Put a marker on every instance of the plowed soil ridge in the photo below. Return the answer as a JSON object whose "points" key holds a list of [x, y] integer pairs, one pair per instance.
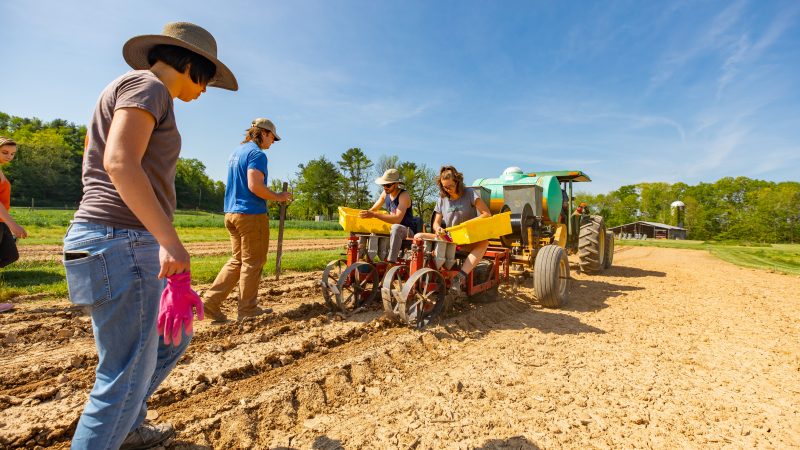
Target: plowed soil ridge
{"points": [[670, 348], [44, 253]]}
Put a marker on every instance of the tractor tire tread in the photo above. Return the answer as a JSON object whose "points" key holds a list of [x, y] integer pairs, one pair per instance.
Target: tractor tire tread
{"points": [[591, 251]]}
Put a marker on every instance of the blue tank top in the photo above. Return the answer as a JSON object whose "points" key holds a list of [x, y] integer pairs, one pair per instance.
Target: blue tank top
{"points": [[391, 206]]}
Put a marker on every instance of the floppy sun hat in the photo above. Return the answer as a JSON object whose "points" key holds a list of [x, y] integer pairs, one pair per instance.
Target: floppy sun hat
{"points": [[391, 176], [181, 34]]}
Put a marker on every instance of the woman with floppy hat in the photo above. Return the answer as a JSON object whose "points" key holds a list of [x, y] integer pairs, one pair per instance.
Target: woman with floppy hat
{"points": [[397, 201], [121, 244], [246, 195]]}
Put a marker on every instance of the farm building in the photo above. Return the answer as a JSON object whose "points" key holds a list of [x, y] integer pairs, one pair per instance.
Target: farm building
{"points": [[652, 230]]}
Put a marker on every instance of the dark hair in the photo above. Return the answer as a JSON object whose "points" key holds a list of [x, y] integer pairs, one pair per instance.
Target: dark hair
{"points": [[254, 134], [450, 173], [201, 70]]}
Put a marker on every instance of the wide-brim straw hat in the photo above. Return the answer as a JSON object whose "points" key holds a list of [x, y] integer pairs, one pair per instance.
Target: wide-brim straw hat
{"points": [[391, 176], [182, 34]]}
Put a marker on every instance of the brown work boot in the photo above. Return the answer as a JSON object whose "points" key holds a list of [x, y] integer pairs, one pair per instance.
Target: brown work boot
{"points": [[214, 313], [253, 313], [147, 436]]}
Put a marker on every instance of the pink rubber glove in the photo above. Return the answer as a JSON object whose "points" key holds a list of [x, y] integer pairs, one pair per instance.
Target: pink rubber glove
{"points": [[175, 311]]}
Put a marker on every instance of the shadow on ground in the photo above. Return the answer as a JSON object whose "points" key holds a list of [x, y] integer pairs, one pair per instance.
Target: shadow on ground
{"points": [[515, 443], [22, 278], [632, 272]]}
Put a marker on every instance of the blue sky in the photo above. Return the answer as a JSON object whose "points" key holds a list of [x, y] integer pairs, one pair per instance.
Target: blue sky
{"points": [[627, 91]]}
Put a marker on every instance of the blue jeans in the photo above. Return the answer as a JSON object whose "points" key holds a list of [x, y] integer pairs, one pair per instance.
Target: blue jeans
{"points": [[113, 272]]}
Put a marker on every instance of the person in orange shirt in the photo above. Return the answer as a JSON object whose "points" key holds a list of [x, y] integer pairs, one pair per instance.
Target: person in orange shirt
{"points": [[9, 229]]}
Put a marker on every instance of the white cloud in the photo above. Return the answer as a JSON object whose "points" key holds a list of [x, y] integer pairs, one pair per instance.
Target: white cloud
{"points": [[775, 160], [712, 38], [747, 52]]}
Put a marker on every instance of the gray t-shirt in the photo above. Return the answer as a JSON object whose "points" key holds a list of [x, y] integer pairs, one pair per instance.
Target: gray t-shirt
{"points": [[458, 211], [101, 202]]}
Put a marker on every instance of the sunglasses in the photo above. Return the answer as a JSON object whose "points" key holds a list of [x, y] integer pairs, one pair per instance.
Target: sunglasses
{"points": [[389, 186]]}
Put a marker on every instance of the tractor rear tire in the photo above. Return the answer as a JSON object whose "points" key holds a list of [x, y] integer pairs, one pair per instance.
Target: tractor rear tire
{"points": [[551, 276], [609, 250], [592, 244]]}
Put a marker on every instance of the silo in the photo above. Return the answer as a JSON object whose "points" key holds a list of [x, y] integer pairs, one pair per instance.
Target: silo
{"points": [[678, 209]]}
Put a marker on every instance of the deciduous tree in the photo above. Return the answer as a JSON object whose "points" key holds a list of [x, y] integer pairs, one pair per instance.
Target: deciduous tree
{"points": [[356, 169]]}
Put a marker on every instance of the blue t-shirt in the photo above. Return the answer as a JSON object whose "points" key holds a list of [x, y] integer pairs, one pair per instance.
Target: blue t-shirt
{"points": [[238, 197]]}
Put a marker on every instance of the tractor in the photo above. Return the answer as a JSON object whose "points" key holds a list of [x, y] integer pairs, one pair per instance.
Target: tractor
{"points": [[546, 227]]}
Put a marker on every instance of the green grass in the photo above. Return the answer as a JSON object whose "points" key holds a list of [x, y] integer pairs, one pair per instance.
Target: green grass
{"points": [[205, 269], [47, 226], [54, 235], [783, 258], [29, 277], [663, 243], [55, 218], [47, 278], [221, 234], [761, 258]]}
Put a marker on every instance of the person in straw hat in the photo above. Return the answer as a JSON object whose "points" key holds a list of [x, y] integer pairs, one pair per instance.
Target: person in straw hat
{"points": [[246, 195], [396, 200], [121, 250]]}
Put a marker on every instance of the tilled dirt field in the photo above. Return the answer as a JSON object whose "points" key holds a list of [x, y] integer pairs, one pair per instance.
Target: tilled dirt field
{"points": [[53, 252], [668, 349]]}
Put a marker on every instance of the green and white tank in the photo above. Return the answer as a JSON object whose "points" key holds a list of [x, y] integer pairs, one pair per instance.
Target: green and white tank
{"points": [[551, 190]]}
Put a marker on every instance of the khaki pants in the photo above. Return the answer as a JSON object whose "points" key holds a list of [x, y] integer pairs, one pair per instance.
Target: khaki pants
{"points": [[250, 243]]}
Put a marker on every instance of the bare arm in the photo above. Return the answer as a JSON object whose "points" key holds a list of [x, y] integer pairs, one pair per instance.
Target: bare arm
{"points": [[402, 205], [437, 223], [16, 229], [379, 202], [128, 136], [483, 210], [255, 182]]}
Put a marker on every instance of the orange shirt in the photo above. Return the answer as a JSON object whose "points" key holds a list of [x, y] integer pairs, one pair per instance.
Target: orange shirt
{"points": [[5, 194]]}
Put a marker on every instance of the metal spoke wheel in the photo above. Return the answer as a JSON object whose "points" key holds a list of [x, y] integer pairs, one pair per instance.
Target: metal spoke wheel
{"points": [[357, 286], [422, 298], [391, 287], [330, 278]]}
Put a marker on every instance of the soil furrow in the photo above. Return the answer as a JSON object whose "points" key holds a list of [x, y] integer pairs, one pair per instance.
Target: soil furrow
{"points": [[669, 348]]}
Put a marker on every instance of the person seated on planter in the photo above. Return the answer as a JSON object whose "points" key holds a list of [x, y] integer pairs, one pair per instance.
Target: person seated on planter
{"points": [[457, 204], [396, 200]]}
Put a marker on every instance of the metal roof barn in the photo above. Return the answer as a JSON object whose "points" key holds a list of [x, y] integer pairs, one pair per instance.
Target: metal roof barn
{"points": [[651, 230]]}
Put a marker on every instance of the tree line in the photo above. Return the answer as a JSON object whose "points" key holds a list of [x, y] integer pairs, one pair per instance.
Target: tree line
{"points": [[321, 185], [738, 208], [47, 173]]}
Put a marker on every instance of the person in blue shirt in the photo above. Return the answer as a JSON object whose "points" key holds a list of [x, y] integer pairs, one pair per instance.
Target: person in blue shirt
{"points": [[246, 219]]}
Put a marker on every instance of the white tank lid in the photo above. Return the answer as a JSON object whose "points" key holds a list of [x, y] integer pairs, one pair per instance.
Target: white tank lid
{"points": [[677, 204], [512, 169]]}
